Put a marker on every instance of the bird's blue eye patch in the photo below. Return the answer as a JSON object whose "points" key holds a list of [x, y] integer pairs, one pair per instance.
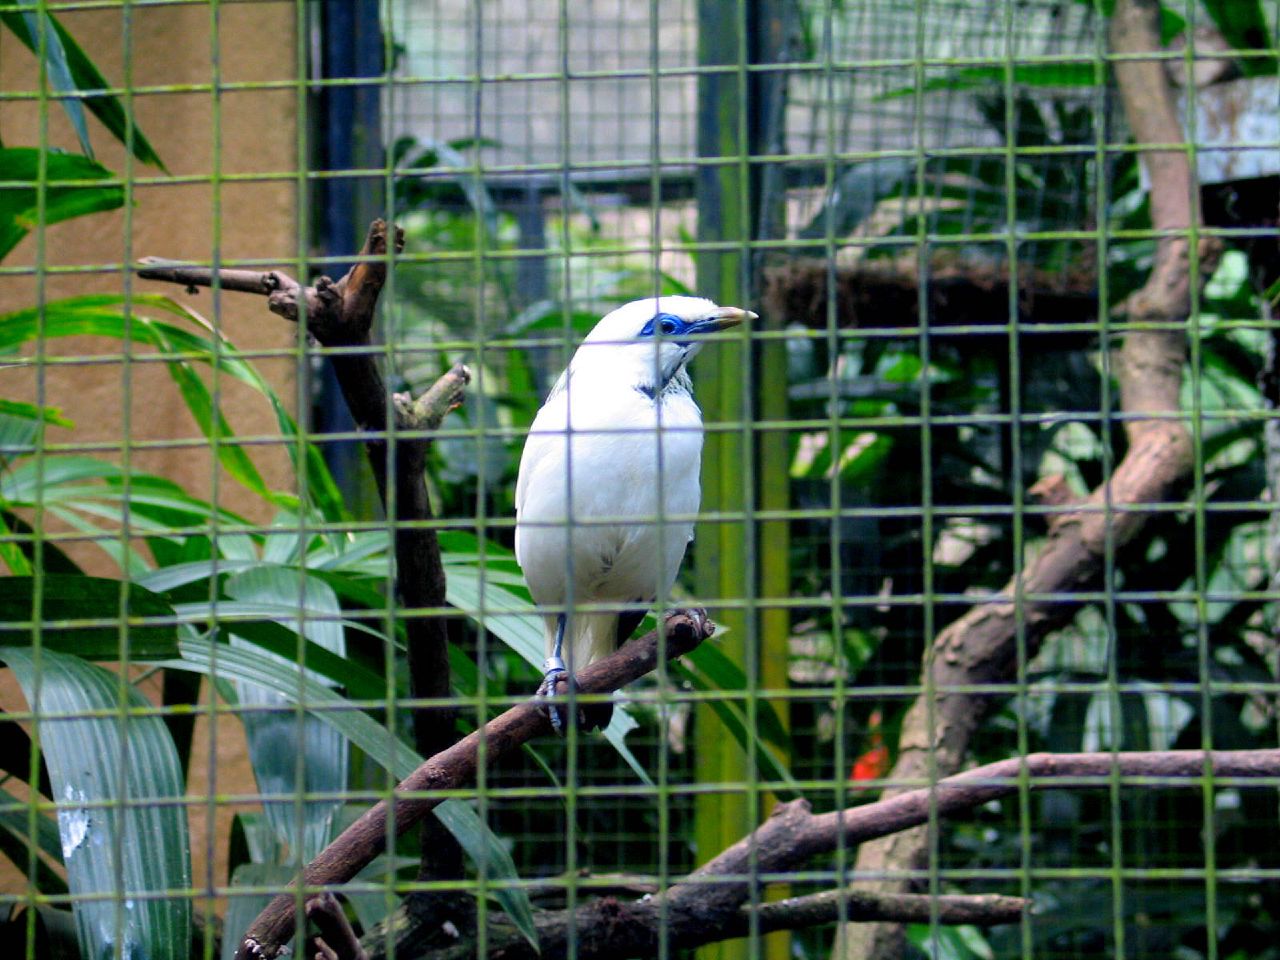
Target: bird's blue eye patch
{"points": [[668, 323]]}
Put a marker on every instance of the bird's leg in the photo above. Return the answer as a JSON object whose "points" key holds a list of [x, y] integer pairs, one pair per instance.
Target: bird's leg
{"points": [[554, 671]]}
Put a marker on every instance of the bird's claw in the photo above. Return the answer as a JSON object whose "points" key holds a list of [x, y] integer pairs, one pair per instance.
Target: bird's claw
{"points": [[697, 614], [591, 716], [555, 672]]}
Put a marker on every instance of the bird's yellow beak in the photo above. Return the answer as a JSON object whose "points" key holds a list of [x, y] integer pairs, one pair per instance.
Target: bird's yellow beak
{"points": [[722, 318]]}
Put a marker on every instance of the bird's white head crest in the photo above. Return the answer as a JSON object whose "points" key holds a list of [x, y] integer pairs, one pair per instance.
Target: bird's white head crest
{"points": [[646, 343]]}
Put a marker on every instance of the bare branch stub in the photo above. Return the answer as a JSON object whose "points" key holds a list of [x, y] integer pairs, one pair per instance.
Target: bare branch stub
{"points": [[334, 939], [428, 411]]}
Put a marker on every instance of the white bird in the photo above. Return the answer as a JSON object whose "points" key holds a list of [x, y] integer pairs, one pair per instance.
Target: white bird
{"points": [[609, 480]]}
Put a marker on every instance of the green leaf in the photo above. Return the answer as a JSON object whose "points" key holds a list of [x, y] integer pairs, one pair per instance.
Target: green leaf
{"points": [[96, 763], [492, 858], [82, 615], [20, 209], [1243, 24], [86, 78], [11, 554], [29, 411], [380, 744], [283, 744], [16, 842], [1040, 75], [41, 30], [715, 671], [734, 717], [102, 316]]}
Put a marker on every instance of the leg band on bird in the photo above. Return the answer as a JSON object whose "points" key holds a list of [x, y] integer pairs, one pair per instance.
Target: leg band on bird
{"points": [[554, 670]]}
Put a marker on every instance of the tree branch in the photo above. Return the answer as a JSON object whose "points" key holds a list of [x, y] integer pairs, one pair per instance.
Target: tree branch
{"points": [[342, 314], [712, 903], [981, 647], [456, 767]]}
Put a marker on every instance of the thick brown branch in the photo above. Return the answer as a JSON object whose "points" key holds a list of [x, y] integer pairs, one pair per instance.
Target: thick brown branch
{"points": [[711, 904], [982, 646], [796, 913], [456, 767], [607, 928]]}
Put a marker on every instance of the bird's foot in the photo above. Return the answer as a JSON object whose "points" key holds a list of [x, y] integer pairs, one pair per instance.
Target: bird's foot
{"points": [[555, 674], [591, 716]]}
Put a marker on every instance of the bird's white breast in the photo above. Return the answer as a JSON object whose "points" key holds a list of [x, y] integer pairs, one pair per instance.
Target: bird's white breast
{"points": [[607, 490]]}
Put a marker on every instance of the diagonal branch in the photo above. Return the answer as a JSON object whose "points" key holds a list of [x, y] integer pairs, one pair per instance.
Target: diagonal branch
{"points": [[982, 646], [456, 767], [341, 314]]}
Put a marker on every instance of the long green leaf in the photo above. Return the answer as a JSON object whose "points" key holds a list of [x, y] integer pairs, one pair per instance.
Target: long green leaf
{"points": [[86, 78], [734, 718], [29, 411], [1042, 75], [292, 754], [381, 745], [73, 609], [101, 315], [718, 672], [95, 764], [20, 210], [41, 29]]}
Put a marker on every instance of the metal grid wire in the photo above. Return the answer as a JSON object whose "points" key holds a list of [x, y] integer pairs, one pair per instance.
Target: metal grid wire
{"points": [[972, 489]]}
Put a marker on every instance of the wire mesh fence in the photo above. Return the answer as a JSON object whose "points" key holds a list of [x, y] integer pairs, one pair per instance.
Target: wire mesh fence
{"points": [[980, 472]]}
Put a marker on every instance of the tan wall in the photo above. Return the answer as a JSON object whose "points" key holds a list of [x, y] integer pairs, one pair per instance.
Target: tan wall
{"points": [[258, 131]]}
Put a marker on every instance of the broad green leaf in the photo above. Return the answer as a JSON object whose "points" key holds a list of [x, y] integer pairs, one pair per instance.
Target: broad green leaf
{"points": [[82, 615], [292, 753], [492, 859], [95, 763], [240, 615], [20, 210], [208, 416], [152, 501], [87, 78], [497, 610], [382, 746], [163, 579], [512, 620], [130, 561]]}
